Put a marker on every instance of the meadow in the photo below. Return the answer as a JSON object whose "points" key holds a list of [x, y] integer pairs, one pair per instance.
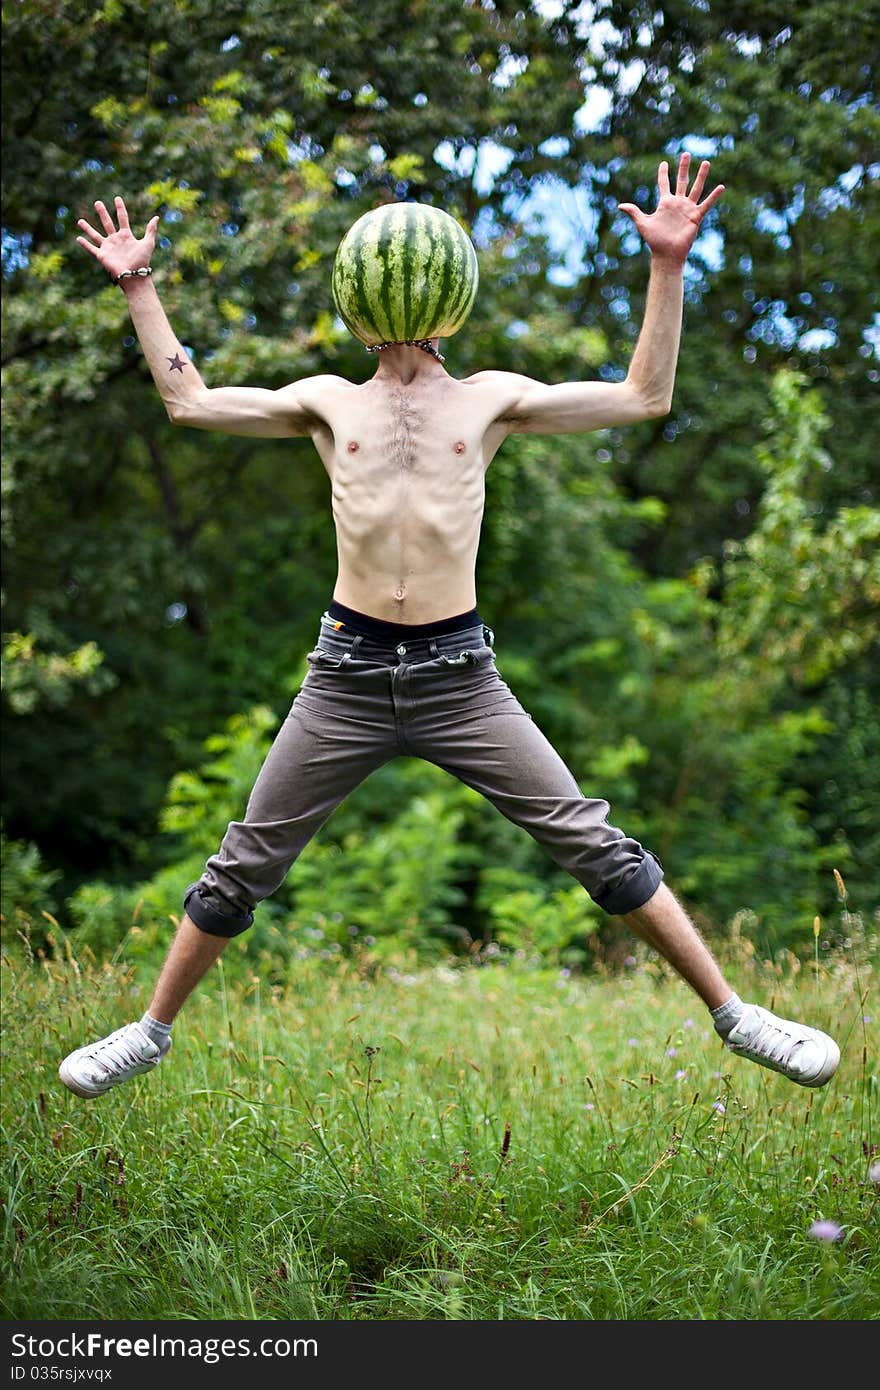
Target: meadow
{"points": [[479, 1140]]}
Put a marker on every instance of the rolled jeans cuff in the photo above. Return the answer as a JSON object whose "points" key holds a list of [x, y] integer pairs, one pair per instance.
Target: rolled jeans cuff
{"points": [[635, 890], [209, 920]]}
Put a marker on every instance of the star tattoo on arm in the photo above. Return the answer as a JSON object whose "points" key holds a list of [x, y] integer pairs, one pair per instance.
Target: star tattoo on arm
{"points": [[176, 363]]}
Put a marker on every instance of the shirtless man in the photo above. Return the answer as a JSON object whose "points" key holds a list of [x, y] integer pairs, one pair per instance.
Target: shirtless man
{"points": [[404, 663]]}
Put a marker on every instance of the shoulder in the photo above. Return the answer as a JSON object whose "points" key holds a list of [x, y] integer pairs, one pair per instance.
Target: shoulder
{"points": [[314, 396], [314, 387], [492, 380], [504, 390]]}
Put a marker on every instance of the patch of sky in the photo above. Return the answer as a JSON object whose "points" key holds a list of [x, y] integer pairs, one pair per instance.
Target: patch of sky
{"points": [[749, 45], [512, 66], [590, 117], [776, 223], [555, 147], [816, 340], [699, 146], [232, 42], [482, 165], [839, 193], [566, 217], [709, 248]]}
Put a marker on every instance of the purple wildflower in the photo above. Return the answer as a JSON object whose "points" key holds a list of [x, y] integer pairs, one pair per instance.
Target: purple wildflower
{"points": [[826, 1230], [679, 1074], [672, 1052], [720, 1107]]}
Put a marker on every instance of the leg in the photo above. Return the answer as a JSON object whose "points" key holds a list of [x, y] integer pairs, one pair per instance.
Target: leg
{"points": [[190, 956], [317, 759], [663, 923], [474, 728], [482, 735]]}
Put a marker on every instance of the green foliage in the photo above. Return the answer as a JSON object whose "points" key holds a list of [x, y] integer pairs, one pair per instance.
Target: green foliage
{"points": [[27, 886], [546, 926], [688, 606], [200, 804], [32, 677], [802, 593], [389, 885]]}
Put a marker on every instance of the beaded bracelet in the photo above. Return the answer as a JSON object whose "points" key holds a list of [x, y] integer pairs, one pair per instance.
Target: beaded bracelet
{"points": [[128, 274]]}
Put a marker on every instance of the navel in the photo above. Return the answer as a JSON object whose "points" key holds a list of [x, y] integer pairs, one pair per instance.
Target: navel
{"points": [[400, 593]]}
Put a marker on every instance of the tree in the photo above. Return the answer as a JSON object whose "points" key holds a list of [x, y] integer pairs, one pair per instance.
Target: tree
{"points": [[159, 582]]}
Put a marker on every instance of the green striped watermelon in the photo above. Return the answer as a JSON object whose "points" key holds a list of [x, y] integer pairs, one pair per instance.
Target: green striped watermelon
{"points": [[404, 272]]}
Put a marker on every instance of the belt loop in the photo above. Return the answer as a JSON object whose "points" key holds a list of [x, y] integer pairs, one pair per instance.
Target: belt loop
{"points": [[355, 644], [433, 648]]}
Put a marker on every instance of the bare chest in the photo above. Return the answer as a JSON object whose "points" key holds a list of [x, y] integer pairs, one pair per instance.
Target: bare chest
{"points": [[437, 438]]}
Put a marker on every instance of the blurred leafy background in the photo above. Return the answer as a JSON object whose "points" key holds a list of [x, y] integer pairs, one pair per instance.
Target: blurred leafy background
{"points": [[688, 607]]}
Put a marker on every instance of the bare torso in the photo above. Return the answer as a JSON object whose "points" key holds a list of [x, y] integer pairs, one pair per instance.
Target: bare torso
{"points": [[407, 463]]}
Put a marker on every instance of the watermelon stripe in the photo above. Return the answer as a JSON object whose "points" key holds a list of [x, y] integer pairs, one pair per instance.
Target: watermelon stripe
{"points": [[404, 271]]}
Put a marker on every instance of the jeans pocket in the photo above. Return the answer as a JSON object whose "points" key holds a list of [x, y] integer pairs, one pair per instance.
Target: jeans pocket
{"points": [[329, 661], [465, 658], [480, 656]]}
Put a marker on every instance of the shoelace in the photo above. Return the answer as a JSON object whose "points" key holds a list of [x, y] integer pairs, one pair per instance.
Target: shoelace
{"points": [[117, 1053], [773, 1042]]}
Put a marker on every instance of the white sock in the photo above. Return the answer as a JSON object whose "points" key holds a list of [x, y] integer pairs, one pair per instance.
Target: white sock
{"points": [[159, 1033], [727, 1015]]}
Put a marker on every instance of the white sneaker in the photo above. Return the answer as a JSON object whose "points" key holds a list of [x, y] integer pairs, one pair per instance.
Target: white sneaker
{"points": [[92, 1070], [802, 1054]]}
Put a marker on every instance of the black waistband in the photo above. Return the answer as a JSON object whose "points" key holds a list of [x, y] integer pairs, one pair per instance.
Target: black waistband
{"points": [[366, 626]]}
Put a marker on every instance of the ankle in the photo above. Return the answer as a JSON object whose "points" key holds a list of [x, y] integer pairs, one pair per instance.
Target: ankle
{"points": [[727, 1015], [157, 1032]]}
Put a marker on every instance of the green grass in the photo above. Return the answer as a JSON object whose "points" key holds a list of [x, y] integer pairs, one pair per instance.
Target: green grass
{"points": [[480, 1142]]}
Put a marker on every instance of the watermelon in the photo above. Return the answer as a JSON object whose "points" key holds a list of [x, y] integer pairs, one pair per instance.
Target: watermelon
{"points": [[405, 272]]}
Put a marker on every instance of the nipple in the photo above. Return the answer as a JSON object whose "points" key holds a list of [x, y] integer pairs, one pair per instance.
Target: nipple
{"points": [[353, 446], [459, 446]]}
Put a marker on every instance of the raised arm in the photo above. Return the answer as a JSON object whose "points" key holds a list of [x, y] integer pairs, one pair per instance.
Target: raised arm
{"points": [[243, 410], [575, 406]]}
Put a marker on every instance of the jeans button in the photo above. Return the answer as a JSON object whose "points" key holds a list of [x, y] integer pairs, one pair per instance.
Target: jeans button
{"points": [[401, 650]]}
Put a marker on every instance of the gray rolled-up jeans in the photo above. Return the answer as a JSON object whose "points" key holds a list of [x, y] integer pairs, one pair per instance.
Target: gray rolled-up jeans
{"points": [[365, 701]]}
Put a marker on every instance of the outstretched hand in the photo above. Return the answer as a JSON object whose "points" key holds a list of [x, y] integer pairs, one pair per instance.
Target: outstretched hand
{"points": [[670, 231], [118, 249]]}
